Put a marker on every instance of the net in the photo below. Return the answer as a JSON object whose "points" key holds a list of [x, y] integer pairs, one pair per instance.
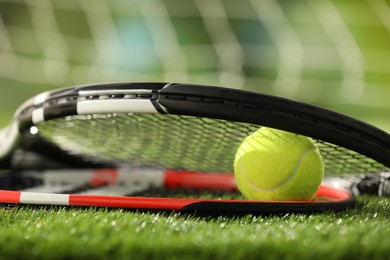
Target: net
{"points": [[329, 52], [317, 51]]}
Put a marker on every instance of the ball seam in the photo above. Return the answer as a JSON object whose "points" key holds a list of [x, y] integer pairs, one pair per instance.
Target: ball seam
{"points": [[284, 183]]}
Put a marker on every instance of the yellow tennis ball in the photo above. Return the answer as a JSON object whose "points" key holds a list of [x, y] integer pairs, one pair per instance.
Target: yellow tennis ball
{"points": [[275, 165]]}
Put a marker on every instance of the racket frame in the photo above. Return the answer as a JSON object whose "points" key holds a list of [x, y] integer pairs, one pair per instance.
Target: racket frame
{"points": [[199, 101]]}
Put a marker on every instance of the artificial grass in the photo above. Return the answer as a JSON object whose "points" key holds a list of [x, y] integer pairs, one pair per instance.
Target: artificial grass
{"points": [[58, 233]]}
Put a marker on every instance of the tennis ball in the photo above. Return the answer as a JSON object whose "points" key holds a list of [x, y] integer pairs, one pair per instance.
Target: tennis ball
{"points": [[275, 165]]}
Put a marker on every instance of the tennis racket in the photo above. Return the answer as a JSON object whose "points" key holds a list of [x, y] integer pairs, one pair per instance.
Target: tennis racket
{"points": [[127, 181], [113, 187], [183, 127]]}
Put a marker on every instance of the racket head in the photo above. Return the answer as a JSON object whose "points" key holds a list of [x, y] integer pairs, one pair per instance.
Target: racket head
{"points": [[223, 115], [51, 123]]}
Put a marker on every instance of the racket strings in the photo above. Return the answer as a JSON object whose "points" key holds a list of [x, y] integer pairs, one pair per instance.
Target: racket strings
{"points": [[339, 160], [176, 141], [179, 142]]}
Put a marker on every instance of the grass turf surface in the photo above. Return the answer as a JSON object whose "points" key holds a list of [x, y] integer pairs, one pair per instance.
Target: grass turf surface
{"points": [[359, 233]]}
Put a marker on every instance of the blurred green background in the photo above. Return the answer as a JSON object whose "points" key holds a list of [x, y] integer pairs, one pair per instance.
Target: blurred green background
{"points": [[335, 54]]}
